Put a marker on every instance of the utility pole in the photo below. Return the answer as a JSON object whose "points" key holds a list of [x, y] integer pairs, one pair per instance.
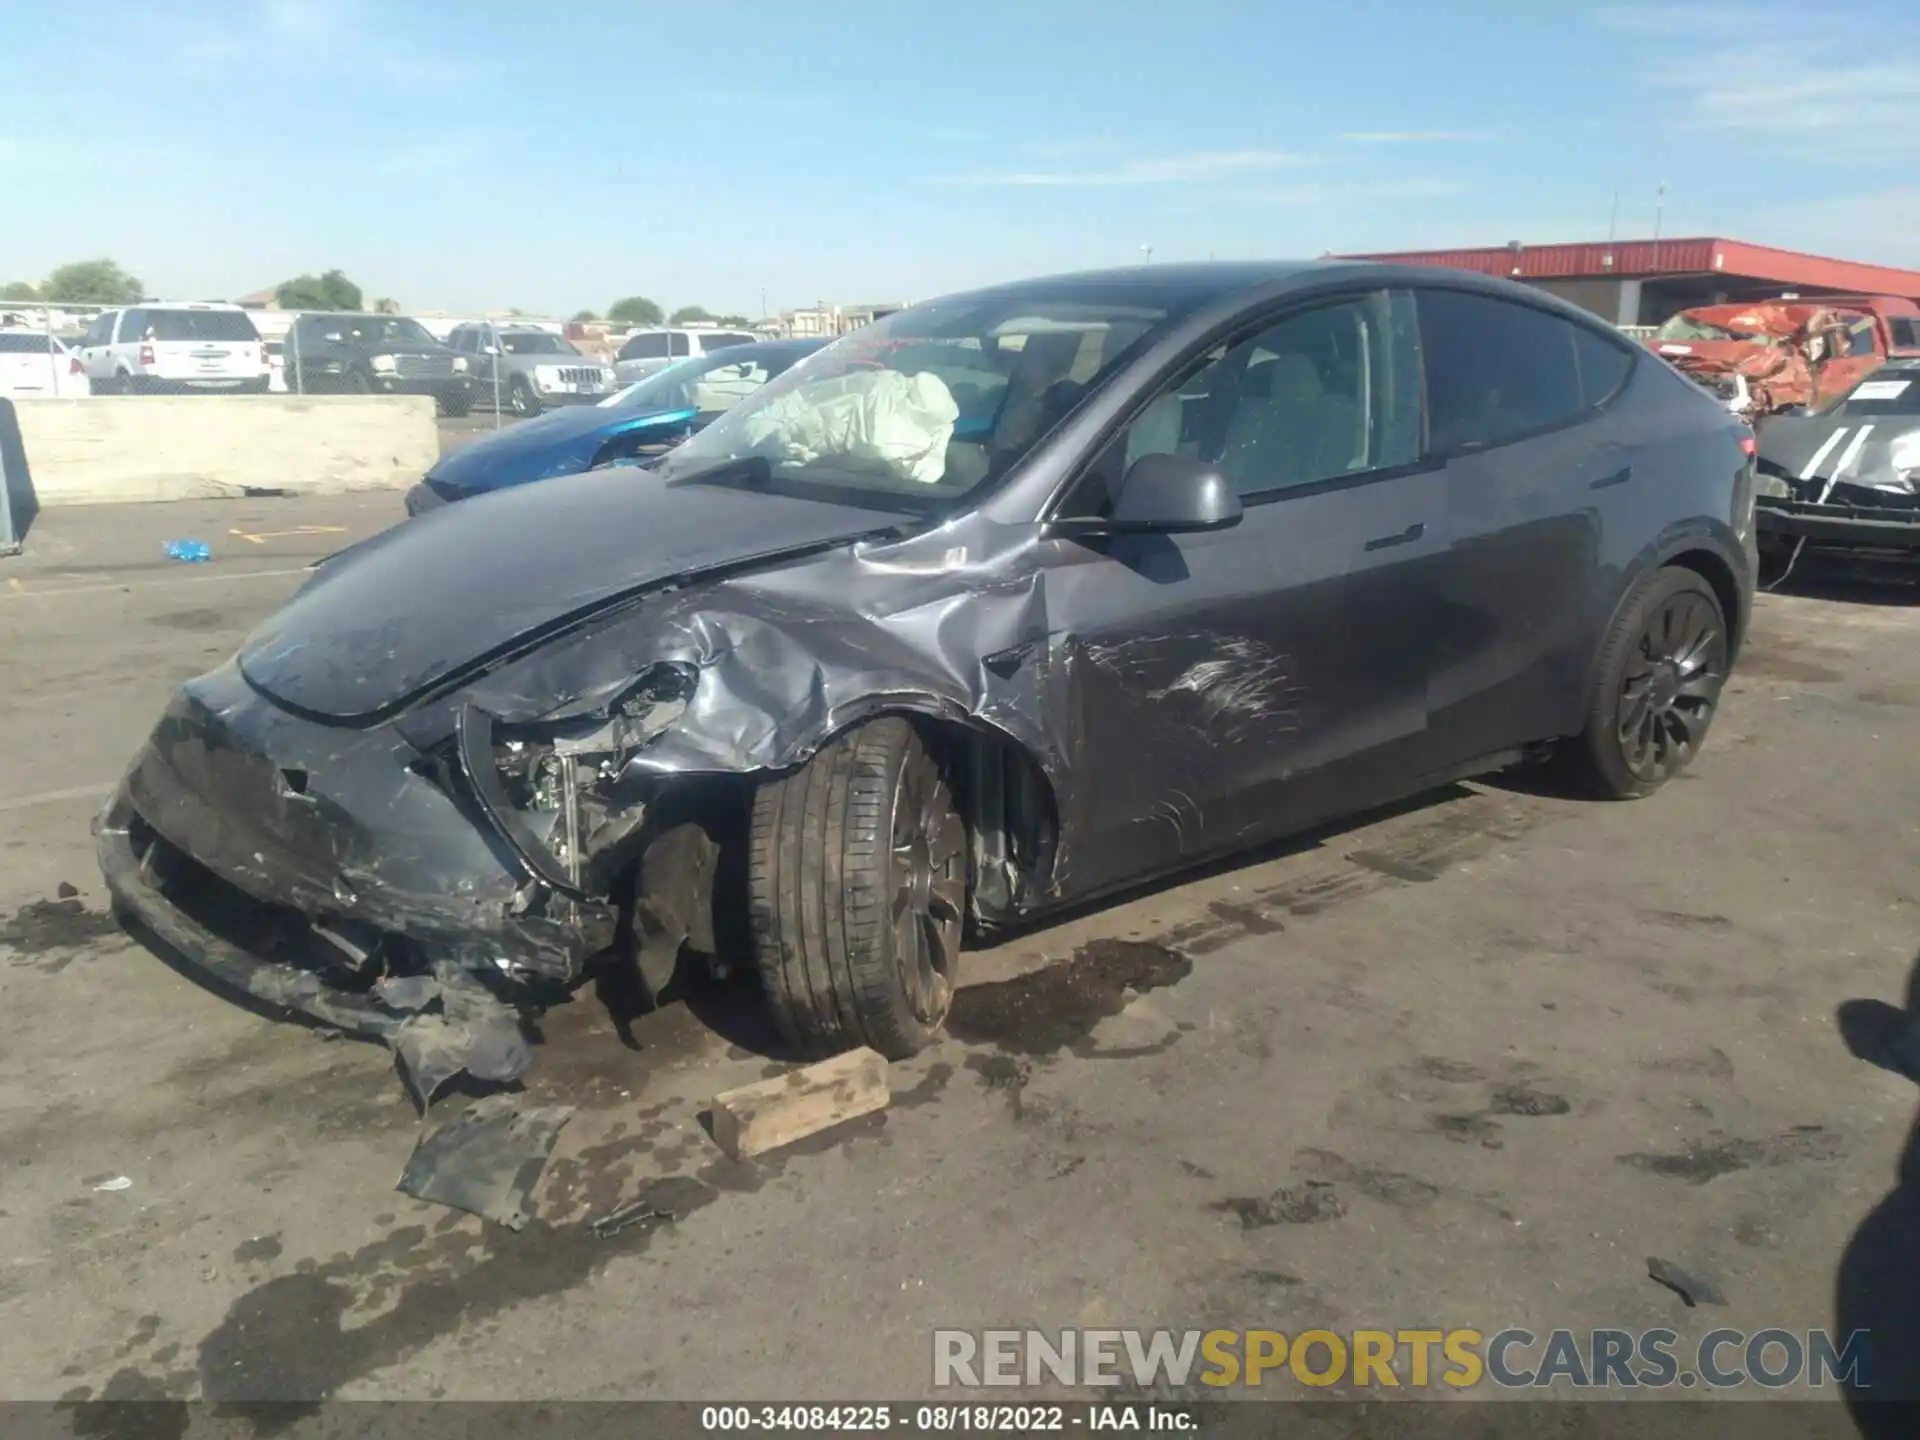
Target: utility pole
{"points": [[1659, 208]]}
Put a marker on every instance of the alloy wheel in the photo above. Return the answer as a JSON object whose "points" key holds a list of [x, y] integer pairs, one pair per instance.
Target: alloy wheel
{"points": [[927, 871], [1671, 686]]}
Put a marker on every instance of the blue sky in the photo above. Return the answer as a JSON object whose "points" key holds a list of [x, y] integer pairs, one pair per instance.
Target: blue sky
{"points": [[553, 157]]}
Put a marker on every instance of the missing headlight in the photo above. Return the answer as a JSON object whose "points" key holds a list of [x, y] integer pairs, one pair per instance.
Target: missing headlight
{"points": [[554, 789]]}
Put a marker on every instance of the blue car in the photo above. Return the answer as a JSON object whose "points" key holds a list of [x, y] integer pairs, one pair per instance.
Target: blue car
{"points": [[642, 421]]}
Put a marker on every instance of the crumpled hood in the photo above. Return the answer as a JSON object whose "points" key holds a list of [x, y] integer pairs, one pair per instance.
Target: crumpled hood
{"points": [[420, 603], [558, 442]]}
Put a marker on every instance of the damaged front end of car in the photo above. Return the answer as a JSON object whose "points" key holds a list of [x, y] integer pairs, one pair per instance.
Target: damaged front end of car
{"points": [[433, 896], [1849, 484]]}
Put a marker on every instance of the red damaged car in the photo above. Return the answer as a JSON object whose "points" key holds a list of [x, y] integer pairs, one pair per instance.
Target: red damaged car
{"points": [[1772, 356]]}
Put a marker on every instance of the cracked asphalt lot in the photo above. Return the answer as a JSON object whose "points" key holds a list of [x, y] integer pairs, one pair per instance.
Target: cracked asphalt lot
{"points": [[1469, 1063]]}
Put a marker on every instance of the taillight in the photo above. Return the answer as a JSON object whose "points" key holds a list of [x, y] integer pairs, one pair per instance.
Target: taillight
{"points": [[74, 367], [146, 354], [1749, 447]]}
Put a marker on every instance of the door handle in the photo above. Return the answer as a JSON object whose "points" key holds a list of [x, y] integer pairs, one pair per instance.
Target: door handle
{"points": [[1406, 537], [1618, 477]]}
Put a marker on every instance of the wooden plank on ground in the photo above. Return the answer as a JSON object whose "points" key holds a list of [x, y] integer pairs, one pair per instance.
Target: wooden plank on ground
{"points": [[764, 1116]]}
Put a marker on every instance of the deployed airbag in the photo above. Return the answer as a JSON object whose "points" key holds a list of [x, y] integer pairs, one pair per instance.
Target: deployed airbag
{"points": [[879, 420]]}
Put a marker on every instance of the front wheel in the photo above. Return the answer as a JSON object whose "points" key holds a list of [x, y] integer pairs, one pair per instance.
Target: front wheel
{"points": [[857, 886], [456, 406], [520, 398], [1658, 684]]}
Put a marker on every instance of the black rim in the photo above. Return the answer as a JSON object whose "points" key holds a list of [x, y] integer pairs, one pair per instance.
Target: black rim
{"points": [[928, 874], [1672, 683]]}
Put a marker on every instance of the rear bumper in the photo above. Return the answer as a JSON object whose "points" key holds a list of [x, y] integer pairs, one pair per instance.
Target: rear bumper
{"points": [[199, 385]]}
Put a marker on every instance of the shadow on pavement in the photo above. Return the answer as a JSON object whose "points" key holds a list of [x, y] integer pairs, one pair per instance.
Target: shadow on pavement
{"points": [[1877, 1289]]}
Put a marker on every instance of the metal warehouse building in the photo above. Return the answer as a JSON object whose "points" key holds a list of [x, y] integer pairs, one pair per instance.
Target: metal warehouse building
{"points": [[1642, 282]]}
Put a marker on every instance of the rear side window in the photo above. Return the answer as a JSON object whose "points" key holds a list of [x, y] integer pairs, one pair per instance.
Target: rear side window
{"points": [[202, 325], [679, 344], [133, 325], [1603, 366], [722, 339], [644, 347], [1860, 338], [1495, 370], [1905, 333]]}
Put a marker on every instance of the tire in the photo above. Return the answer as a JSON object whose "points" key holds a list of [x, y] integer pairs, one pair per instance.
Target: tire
{"points": [[122, 384], [455, 407], [1656, 687], [357, 383], [520, 398], [856, 893]]}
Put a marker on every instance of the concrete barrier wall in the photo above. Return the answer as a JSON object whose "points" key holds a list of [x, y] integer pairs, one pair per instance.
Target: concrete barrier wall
{"points": [[164, 447]]}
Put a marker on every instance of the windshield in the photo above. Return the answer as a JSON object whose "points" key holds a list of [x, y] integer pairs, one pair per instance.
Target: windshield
{"points": [[706, 384], [1894, 392], [535, 342], [199, 325], [924, 407], [1688, 327]]}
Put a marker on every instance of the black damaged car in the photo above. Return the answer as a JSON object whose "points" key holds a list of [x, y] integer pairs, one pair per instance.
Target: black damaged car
{"points": [[1845, 481], [1012, 599]]}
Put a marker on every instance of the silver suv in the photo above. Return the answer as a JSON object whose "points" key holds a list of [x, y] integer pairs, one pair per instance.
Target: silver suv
{"points": [[528, 368], [647, 352]]}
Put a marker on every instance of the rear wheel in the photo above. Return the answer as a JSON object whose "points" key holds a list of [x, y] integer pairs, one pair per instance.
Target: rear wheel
{"points": [[1658, 685], [121, 384], [856, 892]]}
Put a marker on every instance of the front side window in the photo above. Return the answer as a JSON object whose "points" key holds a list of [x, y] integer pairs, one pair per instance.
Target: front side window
{"points": [[644, 347], [678, 344], [1329, 392], [926, 406], [1496, 370], [535, 342]]}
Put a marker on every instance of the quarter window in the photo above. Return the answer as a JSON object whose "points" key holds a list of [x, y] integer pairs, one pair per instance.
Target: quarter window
{"points": [[1329, 392], [1602, 364], [1496, 370]]}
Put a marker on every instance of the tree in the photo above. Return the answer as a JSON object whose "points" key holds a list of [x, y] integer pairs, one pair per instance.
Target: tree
{"points": [[18, 290], [583, 317], [635, 310], [739, 322], [91, 282], [331, 291], [384, 306], [691, 315]]}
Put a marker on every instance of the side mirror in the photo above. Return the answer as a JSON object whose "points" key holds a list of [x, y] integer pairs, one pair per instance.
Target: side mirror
{"points": [[1164, 495]]}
